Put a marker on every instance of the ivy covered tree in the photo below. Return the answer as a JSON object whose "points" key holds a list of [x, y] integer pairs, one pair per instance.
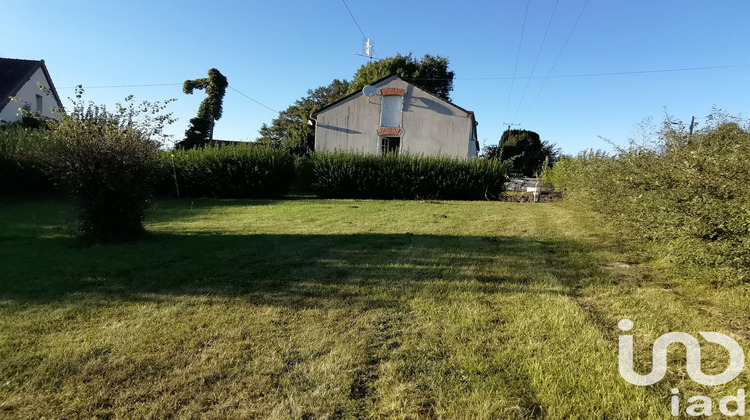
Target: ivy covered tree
{"points": [[201, 128], [525, 149], [291, 130]]}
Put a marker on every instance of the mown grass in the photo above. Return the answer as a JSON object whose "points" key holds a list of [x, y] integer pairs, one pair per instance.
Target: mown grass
{"points": [[343, 309]]}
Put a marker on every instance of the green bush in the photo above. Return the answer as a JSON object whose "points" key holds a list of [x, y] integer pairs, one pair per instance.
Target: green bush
{"points": [[108, 170], [689, 193], [403, 176], [233, 171], [21, 151]]}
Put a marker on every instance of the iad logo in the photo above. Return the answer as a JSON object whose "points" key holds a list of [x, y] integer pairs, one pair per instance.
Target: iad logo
{"points": [[703, 406]]}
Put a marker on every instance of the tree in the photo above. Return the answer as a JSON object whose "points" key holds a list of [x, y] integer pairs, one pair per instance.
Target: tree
{"points": [[201, 128], [290, 128], [524, 149], [430, 73]]}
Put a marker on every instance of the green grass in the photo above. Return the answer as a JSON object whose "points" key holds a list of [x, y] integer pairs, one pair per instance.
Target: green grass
{"points": [[302, 309]]}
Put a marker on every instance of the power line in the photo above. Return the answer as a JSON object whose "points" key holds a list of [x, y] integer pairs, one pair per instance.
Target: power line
{"points": [[544, 38], [619, 73], [518, 54], [257, 102], [354, 19], [122, 86], [167, 84], [561, 76], [556, 59], [360, 29]]}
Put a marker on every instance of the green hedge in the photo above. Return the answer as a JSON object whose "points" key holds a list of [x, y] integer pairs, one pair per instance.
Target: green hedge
{"points": [[233, 171], [21, 152], [403, 176], [688, 193]]}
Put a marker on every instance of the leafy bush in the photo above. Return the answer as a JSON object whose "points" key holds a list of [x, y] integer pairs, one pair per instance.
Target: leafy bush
{"points": [[108, 169], [233, 171], [348, 175], [21, 151], [524, 150], [689, 193]]}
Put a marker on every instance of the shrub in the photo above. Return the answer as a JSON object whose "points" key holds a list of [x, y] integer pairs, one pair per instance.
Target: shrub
{"points": [[21, 152], [348, 175], [524, 150], [233, 171], [108, 169], [688, 193]]}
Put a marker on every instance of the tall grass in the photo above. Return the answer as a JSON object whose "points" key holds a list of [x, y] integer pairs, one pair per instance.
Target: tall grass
{"points": [[237, 171], [689, 193], [347, 175]]}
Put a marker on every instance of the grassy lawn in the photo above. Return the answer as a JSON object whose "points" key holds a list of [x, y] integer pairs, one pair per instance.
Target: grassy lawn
{"points": [[315, 309]]}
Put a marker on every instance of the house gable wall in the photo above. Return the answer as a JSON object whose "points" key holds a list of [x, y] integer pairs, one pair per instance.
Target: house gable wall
{"points": [[430, 126], [27, 94]]}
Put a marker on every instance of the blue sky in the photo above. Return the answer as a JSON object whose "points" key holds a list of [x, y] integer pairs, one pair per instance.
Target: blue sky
{"points": [[274, 51]]}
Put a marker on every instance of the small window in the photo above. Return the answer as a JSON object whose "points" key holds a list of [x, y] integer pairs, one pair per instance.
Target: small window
{"points": [[39, 106], [390, 113], [390, 145]]}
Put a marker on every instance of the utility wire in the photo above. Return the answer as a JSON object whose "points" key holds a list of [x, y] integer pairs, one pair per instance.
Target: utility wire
{"points": [[167, 84], [360, 28], [556, 59], [544, 38], [561, 76], [518, 54], [122, 86], [257, 102], [354, 19]]}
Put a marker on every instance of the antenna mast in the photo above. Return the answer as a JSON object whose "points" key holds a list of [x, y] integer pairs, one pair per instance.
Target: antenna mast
{"points": [[368, 50]]}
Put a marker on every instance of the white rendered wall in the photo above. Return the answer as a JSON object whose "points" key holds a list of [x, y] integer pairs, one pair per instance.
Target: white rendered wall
{"points": [[28, 94]]}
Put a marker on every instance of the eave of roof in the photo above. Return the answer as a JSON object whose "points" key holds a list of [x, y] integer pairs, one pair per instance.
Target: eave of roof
{"points": [[468, 113], [52, 86], [15, 73], [351, 95]]}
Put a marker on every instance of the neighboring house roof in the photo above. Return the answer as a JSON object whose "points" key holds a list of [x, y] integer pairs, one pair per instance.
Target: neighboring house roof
{"points": [[14, 73], [386, 80]]}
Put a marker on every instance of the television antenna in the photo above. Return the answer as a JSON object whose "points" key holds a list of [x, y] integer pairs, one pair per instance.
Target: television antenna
{"points": [[368, 50]]}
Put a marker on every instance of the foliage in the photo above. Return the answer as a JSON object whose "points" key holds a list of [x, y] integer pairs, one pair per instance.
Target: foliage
{"points": [[21, 151], [200, 130], [107, 167], [234, 171], [686, 192], [146, 117], [429, 73], [403, 176], [290, 129], [525, 151]]}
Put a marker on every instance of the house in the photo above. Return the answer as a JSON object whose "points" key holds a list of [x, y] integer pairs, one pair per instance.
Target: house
{"points": [[18, 79], [392, 115]]}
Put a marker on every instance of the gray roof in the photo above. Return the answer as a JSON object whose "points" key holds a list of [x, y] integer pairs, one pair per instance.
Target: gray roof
{"points": [[388, 79], [14, 73]]}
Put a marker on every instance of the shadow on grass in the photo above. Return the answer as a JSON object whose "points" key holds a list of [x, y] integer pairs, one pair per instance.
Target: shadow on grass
{"points": [[299, 271]]}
